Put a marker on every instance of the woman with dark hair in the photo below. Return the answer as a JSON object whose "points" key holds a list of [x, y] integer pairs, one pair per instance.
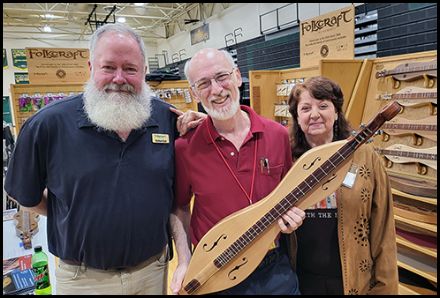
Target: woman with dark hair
{"points": [[347, 244], [326, 91]]}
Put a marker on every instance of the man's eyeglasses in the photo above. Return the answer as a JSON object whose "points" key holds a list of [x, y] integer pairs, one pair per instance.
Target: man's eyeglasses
{"points": [[221, 79]]}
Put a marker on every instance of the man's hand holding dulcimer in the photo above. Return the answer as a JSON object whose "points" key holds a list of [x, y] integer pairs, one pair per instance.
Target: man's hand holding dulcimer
{"points": [[235, 246]]}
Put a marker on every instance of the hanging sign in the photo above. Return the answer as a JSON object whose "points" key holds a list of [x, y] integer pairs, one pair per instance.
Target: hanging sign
{"points": [[5, 60], [7, 116], [57, 65], [200, 34], [19, 59], [21, 78], [327, 36]]}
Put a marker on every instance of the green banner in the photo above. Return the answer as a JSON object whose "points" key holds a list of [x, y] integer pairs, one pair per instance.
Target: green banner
{"points": [[19, 59], [5, 60], [7, 116], [21, 78]]}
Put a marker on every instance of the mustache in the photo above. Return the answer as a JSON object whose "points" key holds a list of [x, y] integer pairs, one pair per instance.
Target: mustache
{"points": [[115, 87], [218, 96]]}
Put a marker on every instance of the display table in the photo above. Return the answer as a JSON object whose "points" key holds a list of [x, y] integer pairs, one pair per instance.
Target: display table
{"points": [[12, 245]]}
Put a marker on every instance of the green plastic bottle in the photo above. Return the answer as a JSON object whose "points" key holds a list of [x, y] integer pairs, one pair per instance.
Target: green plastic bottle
{"points": [[40, 266]]}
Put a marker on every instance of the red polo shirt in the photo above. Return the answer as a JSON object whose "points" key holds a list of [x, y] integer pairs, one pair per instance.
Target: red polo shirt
{"points": [[202, 172]]}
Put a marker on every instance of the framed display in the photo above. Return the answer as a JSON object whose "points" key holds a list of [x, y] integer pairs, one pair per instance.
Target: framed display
{"points": [[200, 34], [21, 78], [19, 59]]}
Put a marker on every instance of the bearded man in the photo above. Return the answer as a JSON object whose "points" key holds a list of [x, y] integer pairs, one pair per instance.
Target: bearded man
{"points": [[100, 166]]}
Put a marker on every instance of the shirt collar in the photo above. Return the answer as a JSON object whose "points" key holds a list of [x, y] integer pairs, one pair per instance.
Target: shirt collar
{"points": [[257, 125]]}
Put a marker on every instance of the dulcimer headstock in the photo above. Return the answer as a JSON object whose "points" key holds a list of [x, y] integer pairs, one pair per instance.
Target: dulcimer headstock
{"points": [[26, 226], [387, 113]]}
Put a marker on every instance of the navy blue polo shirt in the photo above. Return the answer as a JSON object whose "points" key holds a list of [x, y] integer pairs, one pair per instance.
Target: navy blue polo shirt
{"points": [[108, 200]]}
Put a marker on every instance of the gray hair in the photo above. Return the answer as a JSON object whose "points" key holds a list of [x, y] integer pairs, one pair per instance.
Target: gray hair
{"points": [[116, 27], [227, 55]]}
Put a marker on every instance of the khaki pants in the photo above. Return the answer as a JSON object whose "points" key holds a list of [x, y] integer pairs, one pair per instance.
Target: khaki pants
{"points": [[149, 278]]}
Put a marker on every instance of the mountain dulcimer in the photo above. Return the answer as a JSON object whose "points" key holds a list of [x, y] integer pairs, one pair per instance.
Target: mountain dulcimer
{"points": [[234, 247], [400, 153], [412, 71]]}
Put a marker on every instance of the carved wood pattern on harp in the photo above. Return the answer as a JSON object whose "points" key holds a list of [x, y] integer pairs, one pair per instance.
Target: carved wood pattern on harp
{"points": [[234, 247], [26, 226]]}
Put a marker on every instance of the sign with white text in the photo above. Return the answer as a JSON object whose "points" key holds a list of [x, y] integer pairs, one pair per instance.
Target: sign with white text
{"points": [[19, 59], [327, 36], [21, 78], [57, 65]]}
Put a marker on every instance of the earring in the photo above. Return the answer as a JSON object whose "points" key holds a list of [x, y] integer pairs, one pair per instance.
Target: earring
{"points": [[335, 130]]}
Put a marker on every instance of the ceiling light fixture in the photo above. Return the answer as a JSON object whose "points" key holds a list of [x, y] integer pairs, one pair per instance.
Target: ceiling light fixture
{"points": [[47, 28], [121, 20]]}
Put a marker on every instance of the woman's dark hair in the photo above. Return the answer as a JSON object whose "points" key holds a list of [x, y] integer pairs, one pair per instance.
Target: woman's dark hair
{"points": [[320, 88]]}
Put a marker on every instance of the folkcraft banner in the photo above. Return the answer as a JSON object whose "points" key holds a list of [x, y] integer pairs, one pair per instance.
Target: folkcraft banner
{"points": [[327, 36], [57, 65]]}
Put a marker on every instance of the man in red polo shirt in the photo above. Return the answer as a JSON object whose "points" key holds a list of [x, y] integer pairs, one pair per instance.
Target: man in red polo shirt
{"points": [[231, 160]]}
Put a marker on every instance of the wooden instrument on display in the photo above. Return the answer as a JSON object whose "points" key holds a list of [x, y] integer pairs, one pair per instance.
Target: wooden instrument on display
{"points": [[426, 241], [234, 247], [415, 213], [426, 127], [412, 185], [26, 226], [402, 154], [411, 96], [410, 71]]}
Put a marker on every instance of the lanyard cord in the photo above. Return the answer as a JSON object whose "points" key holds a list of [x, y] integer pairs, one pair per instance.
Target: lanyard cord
{"points": [[249, 197]]}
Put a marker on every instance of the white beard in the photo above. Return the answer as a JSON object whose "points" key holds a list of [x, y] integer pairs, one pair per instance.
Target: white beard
{"points": [[119, 112], [224, 113]]}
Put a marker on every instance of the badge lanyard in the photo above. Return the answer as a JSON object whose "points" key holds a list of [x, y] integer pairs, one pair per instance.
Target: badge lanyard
{"points": [[249, 197]]}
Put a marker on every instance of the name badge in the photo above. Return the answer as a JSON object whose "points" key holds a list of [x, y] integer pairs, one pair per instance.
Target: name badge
{"points": [[351, 176], [160, 138]]}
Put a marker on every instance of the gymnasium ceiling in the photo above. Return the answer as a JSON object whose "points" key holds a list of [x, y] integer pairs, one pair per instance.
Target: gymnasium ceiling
{"points": [[75, 21]]}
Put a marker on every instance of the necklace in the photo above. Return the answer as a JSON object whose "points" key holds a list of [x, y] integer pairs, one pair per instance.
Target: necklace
{"points": [[248, 196]]}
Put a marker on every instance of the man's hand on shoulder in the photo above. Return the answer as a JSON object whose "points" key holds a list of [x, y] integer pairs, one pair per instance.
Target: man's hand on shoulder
{"points": [[188, 120]]}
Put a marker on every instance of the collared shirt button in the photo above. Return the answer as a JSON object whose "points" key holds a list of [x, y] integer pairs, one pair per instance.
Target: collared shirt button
{"points": [[232, 153]]}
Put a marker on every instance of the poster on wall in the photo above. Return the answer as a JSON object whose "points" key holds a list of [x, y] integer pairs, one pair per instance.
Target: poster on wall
{"points": [[329, 35], [57, 65], [21, 78], [5, 60], [7, 116], [200, 34], [19, 59]]}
